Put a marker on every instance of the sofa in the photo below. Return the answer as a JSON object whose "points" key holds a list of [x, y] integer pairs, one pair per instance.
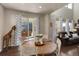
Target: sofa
{"points": [[70, 38]]}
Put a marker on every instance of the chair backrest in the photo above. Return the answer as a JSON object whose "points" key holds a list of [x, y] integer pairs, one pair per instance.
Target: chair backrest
{"points": [[58, 42]]}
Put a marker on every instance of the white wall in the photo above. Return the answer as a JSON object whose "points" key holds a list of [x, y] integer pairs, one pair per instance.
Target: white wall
{"points": [[1, 25], [76, 11], [47, 20], [42, 24], [10, 18]]}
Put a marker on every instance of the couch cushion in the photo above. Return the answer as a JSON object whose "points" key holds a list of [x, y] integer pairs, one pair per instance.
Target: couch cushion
{"points": [[75, 35]]}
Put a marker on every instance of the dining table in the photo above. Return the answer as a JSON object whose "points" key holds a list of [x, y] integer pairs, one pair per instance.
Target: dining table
{"points": [[29, 48]]}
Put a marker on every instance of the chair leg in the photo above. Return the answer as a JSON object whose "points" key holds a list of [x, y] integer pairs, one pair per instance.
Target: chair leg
{"points": [[7, 43], [3, 45]]}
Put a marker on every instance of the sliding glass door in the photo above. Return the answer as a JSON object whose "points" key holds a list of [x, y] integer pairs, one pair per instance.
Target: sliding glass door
{"points": [[27, 28]]}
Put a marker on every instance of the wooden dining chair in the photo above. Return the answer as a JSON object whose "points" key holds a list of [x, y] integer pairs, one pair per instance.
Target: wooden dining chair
{"points": [[7, 40]]}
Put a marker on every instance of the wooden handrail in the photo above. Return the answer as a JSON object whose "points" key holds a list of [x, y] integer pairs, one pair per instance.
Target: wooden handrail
{"points": [[7, 37]]}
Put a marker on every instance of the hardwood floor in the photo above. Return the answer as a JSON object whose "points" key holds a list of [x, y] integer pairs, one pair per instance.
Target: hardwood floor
{"points": [[65, 51], [10, 51], [72, 50]]}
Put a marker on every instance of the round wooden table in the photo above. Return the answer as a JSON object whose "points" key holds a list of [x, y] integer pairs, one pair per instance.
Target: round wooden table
{"points": [[48, 48], [29, 48]]}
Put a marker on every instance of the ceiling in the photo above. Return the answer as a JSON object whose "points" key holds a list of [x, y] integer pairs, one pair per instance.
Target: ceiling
{"points": [[34, 7]]}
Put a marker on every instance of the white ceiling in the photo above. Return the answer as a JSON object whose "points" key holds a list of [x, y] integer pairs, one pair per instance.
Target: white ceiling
{"points": [[34, 7]]}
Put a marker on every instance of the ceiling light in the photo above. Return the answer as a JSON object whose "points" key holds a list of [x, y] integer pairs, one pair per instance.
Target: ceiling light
{"points": [[40, 6], [69, 6]]}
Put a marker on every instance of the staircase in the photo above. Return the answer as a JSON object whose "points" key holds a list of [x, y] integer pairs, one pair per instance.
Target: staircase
{"points": [[7, 38]]}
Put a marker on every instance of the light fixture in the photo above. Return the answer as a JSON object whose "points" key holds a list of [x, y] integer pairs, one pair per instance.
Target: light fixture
{"points": [[40, 7], [69, 6]]}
